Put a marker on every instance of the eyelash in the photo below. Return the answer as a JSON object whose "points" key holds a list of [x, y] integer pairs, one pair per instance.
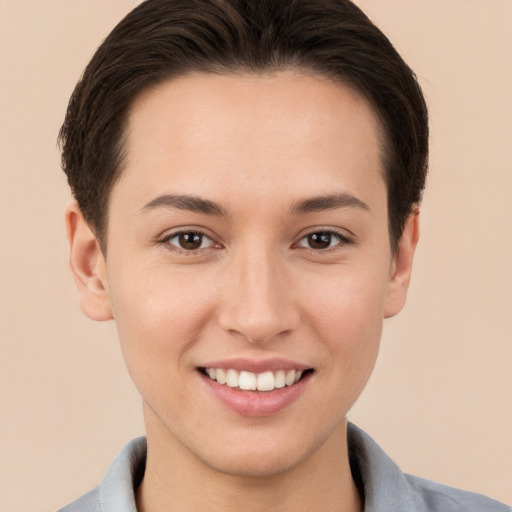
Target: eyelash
{"points": [[342, 240], [166, 240]]}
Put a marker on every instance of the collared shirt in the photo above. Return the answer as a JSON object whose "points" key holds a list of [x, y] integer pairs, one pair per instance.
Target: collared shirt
{"points": [[383, 485]]}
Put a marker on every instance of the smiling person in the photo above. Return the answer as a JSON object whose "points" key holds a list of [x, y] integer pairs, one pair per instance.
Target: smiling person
{"points": [[248, 176]]}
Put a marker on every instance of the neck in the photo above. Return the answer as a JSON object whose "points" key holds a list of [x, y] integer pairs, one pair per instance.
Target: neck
{"points": [[176, 480]]}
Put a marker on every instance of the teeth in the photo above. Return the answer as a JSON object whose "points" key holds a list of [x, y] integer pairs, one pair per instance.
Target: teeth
{"points": [[220, 376], [247, 380], [232, 378], [280, 379], [290, 378], [266, 381]]}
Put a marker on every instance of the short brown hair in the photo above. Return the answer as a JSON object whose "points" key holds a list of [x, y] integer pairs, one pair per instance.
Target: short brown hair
{"points": [[163, 39]]}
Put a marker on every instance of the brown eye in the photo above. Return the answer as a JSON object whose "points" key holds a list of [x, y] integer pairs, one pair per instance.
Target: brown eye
{"points": [[321, 240], [190, 240]]}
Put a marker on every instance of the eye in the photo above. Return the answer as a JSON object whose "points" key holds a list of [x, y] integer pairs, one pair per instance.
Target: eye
{"points": [[189, 240], [321, 240]]}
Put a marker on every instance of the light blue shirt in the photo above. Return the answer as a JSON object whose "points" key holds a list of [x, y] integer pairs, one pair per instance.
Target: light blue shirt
{"points": [[384, 486]]}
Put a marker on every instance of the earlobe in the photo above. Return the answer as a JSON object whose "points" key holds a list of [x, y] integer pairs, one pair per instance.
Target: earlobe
{"points": [[402, 266], [87, 266]]}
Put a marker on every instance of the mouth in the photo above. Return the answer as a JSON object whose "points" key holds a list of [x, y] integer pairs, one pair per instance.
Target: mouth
{"points": [[250, 381], [257, 387]]}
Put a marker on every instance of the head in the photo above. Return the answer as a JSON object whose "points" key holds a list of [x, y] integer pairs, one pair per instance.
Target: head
{"points": [[246, 174], [163, 39]]}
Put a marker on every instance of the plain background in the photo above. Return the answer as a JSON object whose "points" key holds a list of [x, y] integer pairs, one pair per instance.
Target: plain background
{"points": [[439, 401]]}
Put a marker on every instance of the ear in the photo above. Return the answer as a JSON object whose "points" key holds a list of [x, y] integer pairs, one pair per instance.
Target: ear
{"points": [[87, 266], [402, 266]]}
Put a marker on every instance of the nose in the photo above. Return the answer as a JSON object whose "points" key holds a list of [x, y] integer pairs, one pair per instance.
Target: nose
{"points": [[257, 303]]}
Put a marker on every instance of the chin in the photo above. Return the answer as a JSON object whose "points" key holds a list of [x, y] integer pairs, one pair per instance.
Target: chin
{"points": [[260, 458], [257, 465]]}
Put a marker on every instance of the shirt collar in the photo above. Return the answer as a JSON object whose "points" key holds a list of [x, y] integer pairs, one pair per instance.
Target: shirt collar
{"points": [[384, 485], [117, 489], [381, 482]]}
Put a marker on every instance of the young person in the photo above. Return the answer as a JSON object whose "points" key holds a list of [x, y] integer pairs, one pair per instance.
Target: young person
{"points": [[247, 177]]}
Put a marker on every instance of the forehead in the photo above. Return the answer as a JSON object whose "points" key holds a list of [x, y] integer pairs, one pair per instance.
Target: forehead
{"points": [[208, 134]]}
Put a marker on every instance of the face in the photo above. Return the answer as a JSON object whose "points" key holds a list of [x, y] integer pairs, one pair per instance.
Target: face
{"points": [[248, 242]]}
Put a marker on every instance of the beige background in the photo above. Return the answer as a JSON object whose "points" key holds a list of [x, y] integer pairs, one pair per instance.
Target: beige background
{"points": [[439, 401]]}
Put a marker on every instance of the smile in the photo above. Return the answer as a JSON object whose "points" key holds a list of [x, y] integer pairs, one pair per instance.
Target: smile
{"points": [[249, 381]]}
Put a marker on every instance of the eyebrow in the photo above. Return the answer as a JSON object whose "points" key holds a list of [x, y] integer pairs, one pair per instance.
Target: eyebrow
{"points": [[205, 206], [328, 202], [186, 202]]}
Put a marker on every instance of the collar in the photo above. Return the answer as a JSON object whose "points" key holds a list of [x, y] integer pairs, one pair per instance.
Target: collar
{"points": [[380, 481]]}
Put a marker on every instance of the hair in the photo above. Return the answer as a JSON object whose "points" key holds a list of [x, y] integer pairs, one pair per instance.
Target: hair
{"points": [[163, 39]]}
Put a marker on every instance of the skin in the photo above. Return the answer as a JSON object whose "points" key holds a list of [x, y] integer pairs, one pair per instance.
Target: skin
{"points": [[255, 146]]}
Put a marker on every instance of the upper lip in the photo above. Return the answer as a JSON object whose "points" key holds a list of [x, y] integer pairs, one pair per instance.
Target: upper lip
{"points": [[256, 365]]}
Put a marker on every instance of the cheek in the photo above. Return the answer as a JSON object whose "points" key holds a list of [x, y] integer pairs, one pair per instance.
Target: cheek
{"points": [[347, 315], [159, 314], [347, 302], [156, 297]]}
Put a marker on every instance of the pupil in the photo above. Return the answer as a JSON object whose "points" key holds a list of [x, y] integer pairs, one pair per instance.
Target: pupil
{"points": [[190, 241], [319, 240]]}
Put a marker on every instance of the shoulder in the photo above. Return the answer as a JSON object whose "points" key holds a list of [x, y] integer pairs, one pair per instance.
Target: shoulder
{"points": [[430, 496], [89, 502], [116, 490], [385, 487]]}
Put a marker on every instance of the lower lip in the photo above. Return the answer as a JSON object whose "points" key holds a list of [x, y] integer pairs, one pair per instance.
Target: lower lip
{"points": [[257, 403]]}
